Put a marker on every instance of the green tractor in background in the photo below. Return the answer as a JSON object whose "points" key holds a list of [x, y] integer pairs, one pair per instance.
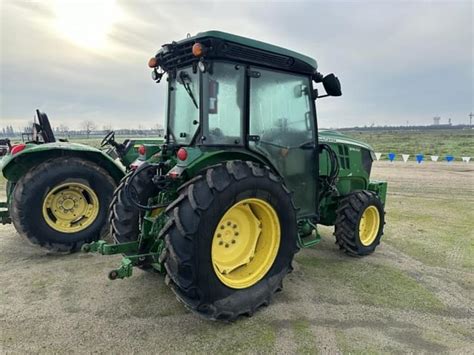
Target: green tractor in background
{"points": [[58, 193], [243, 178]]}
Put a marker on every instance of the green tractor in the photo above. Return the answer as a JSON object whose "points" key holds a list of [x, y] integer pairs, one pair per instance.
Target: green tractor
{"points": [[243, 178], [58, 193]]}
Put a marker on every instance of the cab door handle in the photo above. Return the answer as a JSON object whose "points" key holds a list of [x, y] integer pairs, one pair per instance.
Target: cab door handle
{"points": [[308, 146]]}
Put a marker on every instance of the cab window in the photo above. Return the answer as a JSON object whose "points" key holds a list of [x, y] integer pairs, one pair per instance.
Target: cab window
{"points": [[225, 97]]}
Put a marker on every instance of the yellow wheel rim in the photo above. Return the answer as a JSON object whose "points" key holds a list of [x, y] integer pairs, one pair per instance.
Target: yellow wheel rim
{"points": [[369, 225], [70, 207], [245, 243]]}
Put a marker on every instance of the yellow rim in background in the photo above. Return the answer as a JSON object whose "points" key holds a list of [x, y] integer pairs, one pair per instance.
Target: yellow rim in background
{"points": [[369, 225], [70, 207], [245, 243]]}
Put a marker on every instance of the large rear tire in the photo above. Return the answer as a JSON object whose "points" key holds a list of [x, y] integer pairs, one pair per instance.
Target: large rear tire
{"points": [[359, 224], [62, 203], [230, 240]]}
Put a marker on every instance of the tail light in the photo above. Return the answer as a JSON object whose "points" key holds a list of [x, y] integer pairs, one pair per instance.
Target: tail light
{"points": [[173, 174], [17, 148], [142, 150], [182, 154]]}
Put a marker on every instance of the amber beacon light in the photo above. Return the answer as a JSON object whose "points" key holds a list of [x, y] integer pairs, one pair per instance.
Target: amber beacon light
{"points": [[153, 62], [198, 50]]}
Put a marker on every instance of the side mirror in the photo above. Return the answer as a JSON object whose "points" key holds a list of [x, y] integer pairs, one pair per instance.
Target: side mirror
{"points": [[332, 85]]}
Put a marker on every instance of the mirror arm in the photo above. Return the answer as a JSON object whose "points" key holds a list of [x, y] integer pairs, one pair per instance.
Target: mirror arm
{"points": [[317, 77], [315, 94]]}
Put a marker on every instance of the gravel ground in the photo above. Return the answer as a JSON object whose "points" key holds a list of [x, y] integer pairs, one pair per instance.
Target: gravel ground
{"points": [[414, 294]]}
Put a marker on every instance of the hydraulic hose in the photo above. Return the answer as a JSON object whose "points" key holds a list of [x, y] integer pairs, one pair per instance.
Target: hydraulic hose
{"points": [[334, 172], [142, 168]]}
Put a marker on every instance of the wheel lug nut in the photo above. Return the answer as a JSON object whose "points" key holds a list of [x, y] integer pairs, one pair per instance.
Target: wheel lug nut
{"points": [[236, 233], [221, 242], [222, 227], [227, 245], [234, 226], [228, 223], [219, 235], [233, 241]]}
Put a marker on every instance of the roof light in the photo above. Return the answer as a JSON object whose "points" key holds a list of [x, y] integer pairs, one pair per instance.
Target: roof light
{"points": [[153, 62], [17, 148], [141, 150], [198, 50], [182, 154]]}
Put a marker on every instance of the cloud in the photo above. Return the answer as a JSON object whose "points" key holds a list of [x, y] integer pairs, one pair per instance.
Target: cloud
{"points": [[397, 61]]}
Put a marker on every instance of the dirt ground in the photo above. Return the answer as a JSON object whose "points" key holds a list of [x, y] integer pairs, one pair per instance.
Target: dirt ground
{"points": [[414, 294]]}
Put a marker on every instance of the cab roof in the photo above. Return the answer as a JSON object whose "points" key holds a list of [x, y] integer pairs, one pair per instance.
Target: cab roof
{"points": [[223, 45]]}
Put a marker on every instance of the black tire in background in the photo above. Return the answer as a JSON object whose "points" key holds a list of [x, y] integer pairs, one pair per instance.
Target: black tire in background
{"points": [[124, 217], [193, 219], [32, 189], [349, 214]]}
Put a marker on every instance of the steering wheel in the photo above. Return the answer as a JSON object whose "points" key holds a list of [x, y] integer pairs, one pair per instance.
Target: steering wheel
{"points": [[108, 139]]}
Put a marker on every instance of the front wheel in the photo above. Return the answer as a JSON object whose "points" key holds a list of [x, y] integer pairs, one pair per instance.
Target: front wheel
{"points": [[124, 217], [62, 203], [230, 240], [359, 224]]}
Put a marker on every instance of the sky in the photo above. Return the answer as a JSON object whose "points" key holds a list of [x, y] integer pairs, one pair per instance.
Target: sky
{"points": [[399, 62]]}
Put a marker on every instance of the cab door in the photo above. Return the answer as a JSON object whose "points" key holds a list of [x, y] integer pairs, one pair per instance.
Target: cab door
{"points": [[281, 127]]}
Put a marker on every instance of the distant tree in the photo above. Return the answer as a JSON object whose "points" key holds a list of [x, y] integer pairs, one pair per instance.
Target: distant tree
{"points": [[28, 128], [88, 127], [63, 128]]}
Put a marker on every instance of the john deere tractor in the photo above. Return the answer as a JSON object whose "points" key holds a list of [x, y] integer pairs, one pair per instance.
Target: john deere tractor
{"points": [[58, 193], [243, 178]]}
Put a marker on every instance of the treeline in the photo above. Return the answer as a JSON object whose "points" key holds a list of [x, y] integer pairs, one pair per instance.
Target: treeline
{"points": [[9, 132]]}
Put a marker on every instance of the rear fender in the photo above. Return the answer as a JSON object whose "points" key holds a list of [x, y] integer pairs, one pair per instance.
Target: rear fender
{"points": [[15, 166], [199, 160]]}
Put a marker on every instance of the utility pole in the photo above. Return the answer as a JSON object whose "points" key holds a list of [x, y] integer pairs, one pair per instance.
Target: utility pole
{"points": [[470, 119]]}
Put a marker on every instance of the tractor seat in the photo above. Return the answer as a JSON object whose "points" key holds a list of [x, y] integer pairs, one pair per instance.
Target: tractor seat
{"points": [[43, 128]]}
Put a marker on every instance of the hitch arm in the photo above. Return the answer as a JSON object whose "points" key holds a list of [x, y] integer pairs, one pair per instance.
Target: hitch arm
{"points": [[102, 247]]}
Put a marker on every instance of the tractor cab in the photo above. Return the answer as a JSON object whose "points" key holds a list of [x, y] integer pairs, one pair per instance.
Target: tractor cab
{"points": [[244, 97]]}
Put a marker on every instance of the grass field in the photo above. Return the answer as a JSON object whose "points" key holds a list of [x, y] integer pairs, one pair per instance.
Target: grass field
{"points": [[414, 294], [456, 142]]}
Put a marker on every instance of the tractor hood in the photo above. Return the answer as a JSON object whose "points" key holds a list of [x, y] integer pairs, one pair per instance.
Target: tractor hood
{"points": [[327, 136]]}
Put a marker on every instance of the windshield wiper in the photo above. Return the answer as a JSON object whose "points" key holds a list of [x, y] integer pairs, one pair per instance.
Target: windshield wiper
{"points": [[185, 80]]}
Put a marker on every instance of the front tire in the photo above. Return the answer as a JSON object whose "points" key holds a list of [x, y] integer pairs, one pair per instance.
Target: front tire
{"points": [[62, 203], [359, 223], [124, 217], [230, 240]]}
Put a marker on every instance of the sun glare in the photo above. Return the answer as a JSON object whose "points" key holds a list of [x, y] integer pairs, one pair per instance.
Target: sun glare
{"points": [[86, 23]]}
